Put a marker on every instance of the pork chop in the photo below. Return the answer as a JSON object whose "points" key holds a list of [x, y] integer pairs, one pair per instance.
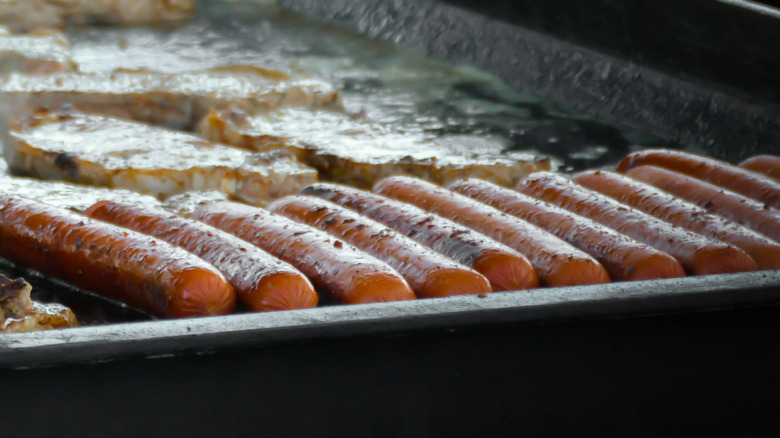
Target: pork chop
{"points": [[104, 151], [352, 150]]}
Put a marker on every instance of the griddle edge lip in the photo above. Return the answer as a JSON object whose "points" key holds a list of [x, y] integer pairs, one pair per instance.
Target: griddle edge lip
{"points": [[160, 339]]}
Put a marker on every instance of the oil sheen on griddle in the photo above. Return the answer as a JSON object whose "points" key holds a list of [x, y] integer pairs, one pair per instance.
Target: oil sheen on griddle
{"points": [[459, 105], [421, 96]]}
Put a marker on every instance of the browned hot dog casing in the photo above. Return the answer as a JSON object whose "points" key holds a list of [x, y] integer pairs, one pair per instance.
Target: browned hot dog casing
{"points": [[751, 184], [121, 264], [748, 212], [504, 268], [768, 165], [337, 269], [624, 258], [430, 274], [262, 282], [699, 255], [556, 262], [651, 200]]}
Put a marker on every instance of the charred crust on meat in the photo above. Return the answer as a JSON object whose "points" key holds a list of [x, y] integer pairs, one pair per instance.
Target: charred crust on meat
{"points": [[313, 190], [67, 163], [11, 288], [15, 299], [158, 296]]}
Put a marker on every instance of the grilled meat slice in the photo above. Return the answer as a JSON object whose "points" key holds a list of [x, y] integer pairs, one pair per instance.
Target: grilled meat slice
{"points": [[41, 317], [45, 51], [66, 195], [104, 151], [18, 313], [29, 14], [15, 299], [351, 150], [175, 100]]}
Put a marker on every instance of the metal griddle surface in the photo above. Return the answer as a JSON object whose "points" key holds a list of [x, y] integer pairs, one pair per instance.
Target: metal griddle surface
{"points": [[685, 357], [391, 85], [423, 95]]}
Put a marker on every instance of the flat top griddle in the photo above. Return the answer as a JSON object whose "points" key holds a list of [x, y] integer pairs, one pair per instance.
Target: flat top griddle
{"points": [[391, 85], [691, 356]]}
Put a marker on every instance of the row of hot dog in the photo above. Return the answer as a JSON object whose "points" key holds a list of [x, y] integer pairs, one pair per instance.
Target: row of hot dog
{"points": [[410, 238]]}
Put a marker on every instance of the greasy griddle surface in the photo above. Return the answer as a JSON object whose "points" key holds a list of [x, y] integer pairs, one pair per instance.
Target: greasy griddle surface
{"points": [[388, 84]]}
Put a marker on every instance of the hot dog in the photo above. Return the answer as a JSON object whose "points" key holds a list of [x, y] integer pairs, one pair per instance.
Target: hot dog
{"points": [[338, 270], [698, 255], [719, 173], [623, 257], [748, 212], [556, 262], [121, 264], [504, 268], [649, 199], [768, 165], [261, 281], [430, 274]]}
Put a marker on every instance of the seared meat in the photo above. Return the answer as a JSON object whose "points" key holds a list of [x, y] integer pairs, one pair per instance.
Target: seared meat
{"points": [[186, 203], [104, 151], [352, 150], [23, 15], [66, 195], [18, 313], [15, 299], [177, 101], [45, 51]]}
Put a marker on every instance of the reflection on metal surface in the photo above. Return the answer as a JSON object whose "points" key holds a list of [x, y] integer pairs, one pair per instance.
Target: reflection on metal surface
{"points": [[387, 84]]}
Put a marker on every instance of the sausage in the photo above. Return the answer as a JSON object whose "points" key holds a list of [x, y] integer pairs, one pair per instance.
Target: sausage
{"points": [[748, 212], [699, 255], [262, 282], [623, 257], [121, 264], [340, 272], [556, 262], [505, 268], [747, 183], [764, 251], [430, 274], [768, 165]]}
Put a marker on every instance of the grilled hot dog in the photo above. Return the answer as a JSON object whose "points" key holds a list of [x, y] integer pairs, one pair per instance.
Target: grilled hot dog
{"points": [[338, 270], [505, 268], [121, 264], [667, 207], [698, 254], [768, 165], [430, 274], [746, 211], [556, 262], [623, 257], [261, 281], [719, 173]]}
